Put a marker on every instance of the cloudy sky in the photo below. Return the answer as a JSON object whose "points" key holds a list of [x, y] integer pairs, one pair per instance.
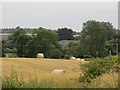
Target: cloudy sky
{"points": [[56, 15]]}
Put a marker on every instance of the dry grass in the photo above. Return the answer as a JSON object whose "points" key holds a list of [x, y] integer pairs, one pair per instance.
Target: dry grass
{"points": [[105, 81], [37, 73], [32, 70], [27, 67]]}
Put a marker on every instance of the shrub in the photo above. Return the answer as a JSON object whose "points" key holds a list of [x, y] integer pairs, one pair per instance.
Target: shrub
{"points": [[97, 67], [8, 50], [66, 56], [56, 53], [11, 55], [12, 81]]}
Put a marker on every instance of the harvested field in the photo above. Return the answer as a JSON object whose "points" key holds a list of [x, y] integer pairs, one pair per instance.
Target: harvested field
{"points": [[28, 67], [37, 73]]}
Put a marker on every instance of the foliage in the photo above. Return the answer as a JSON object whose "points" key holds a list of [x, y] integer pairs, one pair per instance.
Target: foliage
{"points": [[22, 45], [10, 55], [8, 50], [65, 34], [43, 41], [111, 45], [97, 39], [5, 46], [13, 81], [16, 34], [94, 36], [19, 40], [72, 49], [56, 53], [97, 67], [67, 56], [118, 36]]}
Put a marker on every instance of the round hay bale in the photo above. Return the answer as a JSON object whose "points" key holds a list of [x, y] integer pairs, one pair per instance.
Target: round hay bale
{"points": [[77, 58], [58, 71], [40, 55], [82, 59], [72, 58]]}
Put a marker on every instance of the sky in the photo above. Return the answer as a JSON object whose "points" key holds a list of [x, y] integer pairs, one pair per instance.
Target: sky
{"points": [[54, 15]]}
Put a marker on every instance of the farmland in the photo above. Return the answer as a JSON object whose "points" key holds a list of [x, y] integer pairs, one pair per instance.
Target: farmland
{"points": [[59, 45], [29, 66], [33, 72]]}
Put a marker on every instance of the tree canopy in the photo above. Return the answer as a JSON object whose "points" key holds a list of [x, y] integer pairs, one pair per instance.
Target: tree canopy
{"points": [[97, 39], [94, 36], [43, 41], [65, 34]]}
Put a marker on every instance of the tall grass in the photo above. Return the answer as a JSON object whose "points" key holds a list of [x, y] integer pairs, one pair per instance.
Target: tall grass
{"points": [[103, 80], [100, 72], [59, 81], [46, 81]]}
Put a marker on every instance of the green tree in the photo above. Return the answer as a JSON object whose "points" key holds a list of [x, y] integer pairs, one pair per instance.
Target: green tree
{"points": [[15, 36], [72, 49], [118, 45], [93, 39], [65, 34], [20, 41], [111, 45], [44, 40], [22, 45], [4, 46], [56, 53]]}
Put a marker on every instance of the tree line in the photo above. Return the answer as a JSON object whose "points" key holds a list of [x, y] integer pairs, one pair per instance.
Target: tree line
{"points": [[97, 39]]}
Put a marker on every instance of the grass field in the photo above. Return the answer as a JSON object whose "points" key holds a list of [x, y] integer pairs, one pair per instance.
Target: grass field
{"points": [[29, 66], [37, 73]]}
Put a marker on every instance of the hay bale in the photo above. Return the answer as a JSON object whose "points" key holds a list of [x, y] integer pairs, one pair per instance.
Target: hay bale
{"points": [[82, 60], [40, 55], [72, 58], [78, 59], [58, 71]]}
